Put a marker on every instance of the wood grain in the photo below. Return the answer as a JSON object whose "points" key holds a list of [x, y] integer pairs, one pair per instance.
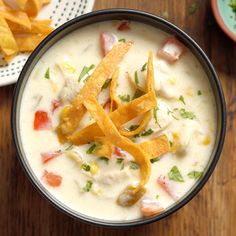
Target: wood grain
{"points": [[212, 212]]}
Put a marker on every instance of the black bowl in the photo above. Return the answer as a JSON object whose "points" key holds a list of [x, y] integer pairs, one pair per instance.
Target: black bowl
{"points": [[133, 15]]}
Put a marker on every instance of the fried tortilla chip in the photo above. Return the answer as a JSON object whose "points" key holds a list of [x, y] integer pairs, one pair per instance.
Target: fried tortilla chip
{"points": [[32, 7], [21, 3], [28, 43], [7, 41], [37, 27], [71, 116], [115, 101], [110, 131], [148, 115], [156, 147], [120, 116]]}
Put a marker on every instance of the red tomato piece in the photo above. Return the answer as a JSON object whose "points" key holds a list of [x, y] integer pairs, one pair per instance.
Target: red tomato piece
{"points": [[48, 156], [172, 50], [118, 152], [107, 40], [42, 121], [124, 26], [150, 207], [55, 104], [167, 186], [107, 104], [52, 179]]}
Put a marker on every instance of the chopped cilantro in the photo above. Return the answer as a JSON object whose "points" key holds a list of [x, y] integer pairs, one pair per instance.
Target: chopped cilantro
{"points": [[86, 167], [193, 8], [85, 71], [157, 196], [88, 186], [102, 158], [144, 133], [155, 115], [199, 92], [138, 93], [165, 14], [106, 84], [122, 165], [133, 165], [133, 127], [122, 40], [144, 67], [175, 174], [69, 147], [153, 160], [136, 80], [181, 98], [47, 73], [171, 144], [119, 160], [91, 149], [86, 79], [186, 114], [125, 98], [194, 174]]}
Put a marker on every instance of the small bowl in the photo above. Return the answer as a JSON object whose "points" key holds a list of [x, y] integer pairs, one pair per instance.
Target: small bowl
{"points": [[225, 17], [107, 15]]}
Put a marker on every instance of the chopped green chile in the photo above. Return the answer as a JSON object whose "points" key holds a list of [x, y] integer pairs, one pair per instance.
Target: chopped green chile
{"points": [[47, 73], [130, 196], [88, 186]]}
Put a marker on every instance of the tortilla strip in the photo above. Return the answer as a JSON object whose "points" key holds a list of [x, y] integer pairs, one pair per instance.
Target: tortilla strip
{"points": [[32, 7], [71, 116], [120, 116], [115, 101], [7, 41], [28, 43], [156, 147], [150, 87], [110, 131], [17, 17], [37, 27]]}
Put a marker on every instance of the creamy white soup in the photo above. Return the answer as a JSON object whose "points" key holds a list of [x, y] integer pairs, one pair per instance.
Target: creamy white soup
{"points": [[92, 168]]}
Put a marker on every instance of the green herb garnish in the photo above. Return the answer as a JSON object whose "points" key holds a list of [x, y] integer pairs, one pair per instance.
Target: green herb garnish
{"points": [[102, 158], [165, 14], [88, 186], [171, 144], [136, 80], [133, 165], [186, 114], [193, 8], [69, 147], [157, 196], [119, 160], [175, 174], [155, 115], [144, 133], [138, 93], [122, 40], [144, 67], [85, 71], [47, 73], [91, 149], [194, 174], [133, 127], [106, 84], [199, 92], [125, 98], [86, 167], [153, 160], [181, 98]]}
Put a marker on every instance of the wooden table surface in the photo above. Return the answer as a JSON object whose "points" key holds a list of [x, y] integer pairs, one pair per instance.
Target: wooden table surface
{"points": [[212, 212]]}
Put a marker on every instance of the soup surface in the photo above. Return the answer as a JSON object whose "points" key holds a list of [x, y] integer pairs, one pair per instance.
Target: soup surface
{"points": [[179, 129]]}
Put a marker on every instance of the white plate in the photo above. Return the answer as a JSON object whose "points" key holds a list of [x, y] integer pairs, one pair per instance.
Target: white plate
{"points": [[59, 11]]}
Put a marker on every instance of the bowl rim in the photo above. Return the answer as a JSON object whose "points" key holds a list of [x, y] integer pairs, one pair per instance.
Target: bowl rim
{"points": [[220, 20], [95, 221]]}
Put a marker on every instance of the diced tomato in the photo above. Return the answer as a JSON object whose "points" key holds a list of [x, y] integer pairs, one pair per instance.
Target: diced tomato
{"points": [[150, 207], [118, 152], [107, 104], [172, 50], [42, 121], [52, 179], [124, 26], [55, 104], [167, 186], [48, 156], [107, 41]]}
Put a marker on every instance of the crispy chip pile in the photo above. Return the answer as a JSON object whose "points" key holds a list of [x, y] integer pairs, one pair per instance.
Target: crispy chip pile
{"points": [[107, 131], [19, 32]]}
